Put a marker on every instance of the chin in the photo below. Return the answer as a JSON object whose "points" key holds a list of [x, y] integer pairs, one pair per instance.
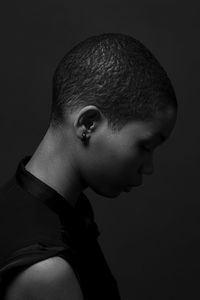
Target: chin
{"points": [[107, 193]]}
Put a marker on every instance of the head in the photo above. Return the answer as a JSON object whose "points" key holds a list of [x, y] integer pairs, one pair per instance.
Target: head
{"points": [[112, 87]]}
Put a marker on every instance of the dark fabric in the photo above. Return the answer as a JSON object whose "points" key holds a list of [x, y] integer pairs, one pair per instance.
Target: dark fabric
{"points": [[38, 223]]}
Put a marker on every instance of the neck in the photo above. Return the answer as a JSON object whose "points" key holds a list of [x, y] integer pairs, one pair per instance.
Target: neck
{"points": [[54, 163]]}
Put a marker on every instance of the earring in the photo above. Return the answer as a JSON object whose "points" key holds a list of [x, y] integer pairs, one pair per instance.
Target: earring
{"points": [[84, 136]]}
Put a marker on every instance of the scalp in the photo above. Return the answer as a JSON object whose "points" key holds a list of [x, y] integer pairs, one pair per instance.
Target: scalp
{"points": [[115, 72]]}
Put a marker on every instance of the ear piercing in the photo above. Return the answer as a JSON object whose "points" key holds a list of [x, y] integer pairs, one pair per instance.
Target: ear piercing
{"points": [[84, 136]]}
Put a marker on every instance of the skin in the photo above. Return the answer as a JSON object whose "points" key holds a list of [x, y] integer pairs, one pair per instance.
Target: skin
{"points": [[107, 163]]}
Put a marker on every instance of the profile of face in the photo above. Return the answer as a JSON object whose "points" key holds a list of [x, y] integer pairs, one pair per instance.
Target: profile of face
{"points": [[115, 161]]}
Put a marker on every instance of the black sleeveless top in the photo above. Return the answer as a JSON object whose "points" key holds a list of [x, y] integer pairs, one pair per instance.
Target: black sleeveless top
{"points": [[38, 223]]}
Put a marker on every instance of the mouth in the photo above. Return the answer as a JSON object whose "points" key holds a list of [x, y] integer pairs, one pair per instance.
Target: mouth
{"points": [[127, 188], [140, 183], [134, 185]]}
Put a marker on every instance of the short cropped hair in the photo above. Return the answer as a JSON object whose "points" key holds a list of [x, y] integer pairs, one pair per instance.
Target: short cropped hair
{"points": [[116, 73]]}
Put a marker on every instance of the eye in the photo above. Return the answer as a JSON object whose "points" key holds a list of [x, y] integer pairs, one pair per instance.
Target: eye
{"points": [[144, 148], [147, 149]]}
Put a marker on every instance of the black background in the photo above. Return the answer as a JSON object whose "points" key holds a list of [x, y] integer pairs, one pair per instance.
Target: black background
{"points": [[151, 236]]}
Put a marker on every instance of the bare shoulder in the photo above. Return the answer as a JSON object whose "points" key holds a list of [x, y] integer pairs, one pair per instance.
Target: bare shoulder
{"points": [[52, 278]]}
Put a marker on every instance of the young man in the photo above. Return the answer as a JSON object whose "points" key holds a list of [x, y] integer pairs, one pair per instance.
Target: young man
{"points": [[113, 105]]}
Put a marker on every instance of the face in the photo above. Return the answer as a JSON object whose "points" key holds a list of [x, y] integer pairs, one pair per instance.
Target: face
{"points": [[118, 160]]}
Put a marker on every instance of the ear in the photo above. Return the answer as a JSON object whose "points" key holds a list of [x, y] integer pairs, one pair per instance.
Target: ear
{"points": [[87, 119]]}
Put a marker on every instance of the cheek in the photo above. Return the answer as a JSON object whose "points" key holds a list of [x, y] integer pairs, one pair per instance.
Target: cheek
{"points": [[114, 158], [131, 163], [125, 163]]}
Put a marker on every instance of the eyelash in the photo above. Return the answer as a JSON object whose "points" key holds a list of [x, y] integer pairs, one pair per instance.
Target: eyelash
{"points": [[145, 149]]}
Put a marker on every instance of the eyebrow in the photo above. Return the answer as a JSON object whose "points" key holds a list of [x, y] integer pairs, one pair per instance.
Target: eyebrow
{"points": [[158, 135]]}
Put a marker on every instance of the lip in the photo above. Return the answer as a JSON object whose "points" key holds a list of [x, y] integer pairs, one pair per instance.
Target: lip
{"points": [[134, 185], [128, 188]]}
